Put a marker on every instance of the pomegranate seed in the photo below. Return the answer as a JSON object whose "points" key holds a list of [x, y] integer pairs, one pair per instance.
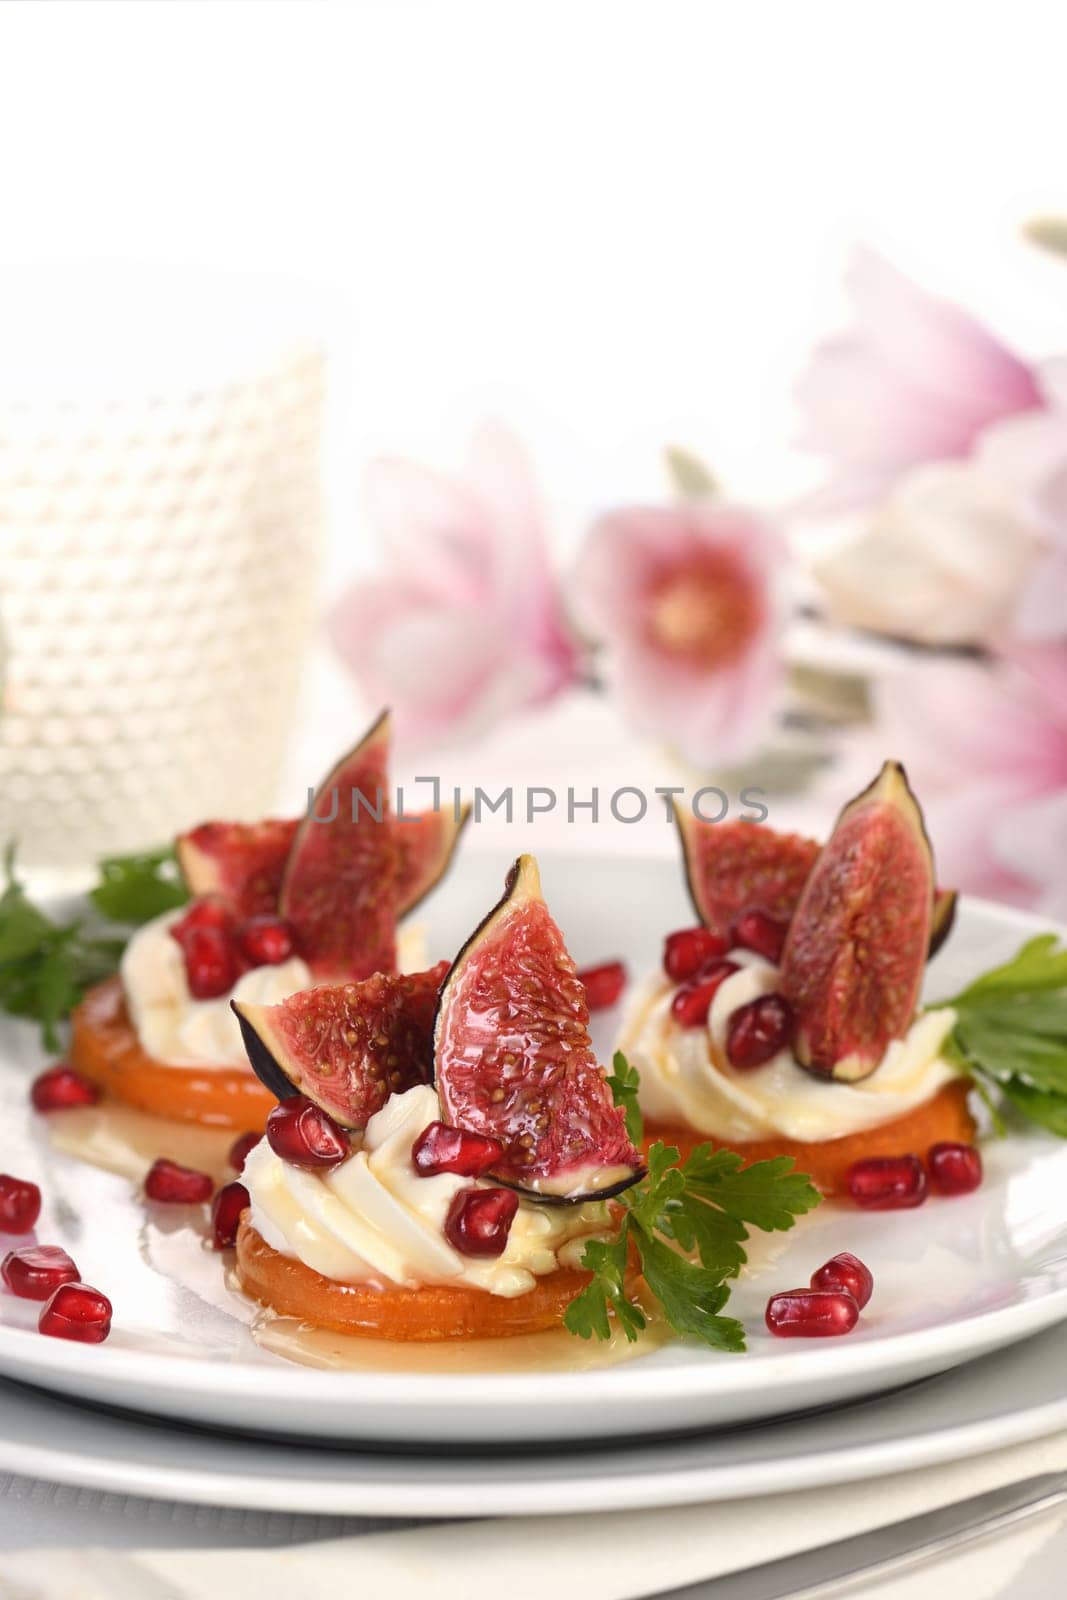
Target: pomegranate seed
{"points": [[691, 1004], [479, 1221], [887, 1183], [20, 1204], [758, 1030], [603, 984], [211, 966], [306, 1136], [76, 1311], [685, 952], [759, 931], [176, 1185], [230, 1201], [954, 1168], [811, 1313], [208, 912], [440, 1148], [265, 941], [846, 1271], [241, 1149], [35, 1271], [60, 1088]]}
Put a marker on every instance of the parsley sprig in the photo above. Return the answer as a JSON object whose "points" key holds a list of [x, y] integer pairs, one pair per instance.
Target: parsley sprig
{"points": [[46, 964], [687, 1227], [1011, 1028]]}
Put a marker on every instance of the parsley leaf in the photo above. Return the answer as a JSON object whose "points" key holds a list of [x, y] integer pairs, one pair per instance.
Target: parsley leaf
{"points": [[699, 1209], [138, 887], [624, 1082], [47, 965], [1011, 1028]]}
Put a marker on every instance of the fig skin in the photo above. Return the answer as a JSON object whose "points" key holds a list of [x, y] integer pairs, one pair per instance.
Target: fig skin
{"points": [[541, 1093], [854, 957], [943, 919]]}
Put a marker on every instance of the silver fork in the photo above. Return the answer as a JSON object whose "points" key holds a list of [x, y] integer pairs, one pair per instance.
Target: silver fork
{"points": [[884, 1552]]}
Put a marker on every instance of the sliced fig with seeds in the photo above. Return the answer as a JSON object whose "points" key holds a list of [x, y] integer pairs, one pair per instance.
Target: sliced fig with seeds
{"points": [[346, 1046], [732, 867], [513, 1059], [339, 888], [854, 957], [240, 862], [425, 845]]}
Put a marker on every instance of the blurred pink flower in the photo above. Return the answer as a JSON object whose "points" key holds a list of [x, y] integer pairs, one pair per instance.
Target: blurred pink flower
{"points": [[1027, 456], [986, 749], [684, 601], [916, 379], [466, 625]]}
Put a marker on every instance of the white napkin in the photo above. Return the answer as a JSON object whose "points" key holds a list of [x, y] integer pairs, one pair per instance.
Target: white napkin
{"points": [[612, 1556]]}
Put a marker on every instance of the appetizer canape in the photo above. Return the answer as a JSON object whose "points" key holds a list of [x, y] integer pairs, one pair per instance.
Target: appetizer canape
{"points": [[440, 1158], [277, 906], [788, 1021]]}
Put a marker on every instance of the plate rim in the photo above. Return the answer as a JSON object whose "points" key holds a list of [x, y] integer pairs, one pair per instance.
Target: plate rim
{"points": [[25, 1357]]}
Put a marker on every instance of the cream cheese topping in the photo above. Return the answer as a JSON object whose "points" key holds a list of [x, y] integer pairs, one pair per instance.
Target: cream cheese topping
{"points": [[687, 1080], [375, 1220], [178, 1031]]}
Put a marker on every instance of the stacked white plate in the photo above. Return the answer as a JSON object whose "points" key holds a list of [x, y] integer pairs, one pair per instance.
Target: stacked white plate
{"points": [[961, 1350]]}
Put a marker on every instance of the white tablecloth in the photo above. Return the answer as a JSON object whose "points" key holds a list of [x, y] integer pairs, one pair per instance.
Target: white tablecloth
{"points": [[67, 1544]]}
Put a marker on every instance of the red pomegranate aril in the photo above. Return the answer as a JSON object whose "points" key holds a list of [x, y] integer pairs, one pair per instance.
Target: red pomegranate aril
{"points": [[848, 1272], [211, 965], [79, 1312], [208, 912], [759, 931], [758, 1030], [685, 952], [241, 1149], [603, 984], [61, 1089], [479, 1221], [230, 1201], [173, 1184], [691, 1004], [37, 1270], [811, 1313], [306, 1136], [887, 1183], [20, 1204], [265, 941], [440, 1148], [954, 1168]]}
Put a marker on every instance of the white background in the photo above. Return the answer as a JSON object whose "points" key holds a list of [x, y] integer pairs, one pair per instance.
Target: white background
{"points": [[614, 224]]}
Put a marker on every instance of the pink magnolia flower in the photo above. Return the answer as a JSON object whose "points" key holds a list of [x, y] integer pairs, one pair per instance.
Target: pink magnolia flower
{"points": [[685, 602], [1027, 455], [916, 379], [986, 749], [466, 624]]}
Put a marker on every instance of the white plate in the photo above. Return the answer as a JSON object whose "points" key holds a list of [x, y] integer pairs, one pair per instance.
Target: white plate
{"points": [[955, 1279], [1004, 1399]]}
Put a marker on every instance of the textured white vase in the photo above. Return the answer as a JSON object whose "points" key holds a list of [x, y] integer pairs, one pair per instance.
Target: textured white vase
{"points": [[158, 554]]}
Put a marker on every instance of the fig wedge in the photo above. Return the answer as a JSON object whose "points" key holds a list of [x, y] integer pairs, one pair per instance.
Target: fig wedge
{"points": [[513, 1059], [347, 1046], [739, 866], [338, 891], [854, 957]]}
